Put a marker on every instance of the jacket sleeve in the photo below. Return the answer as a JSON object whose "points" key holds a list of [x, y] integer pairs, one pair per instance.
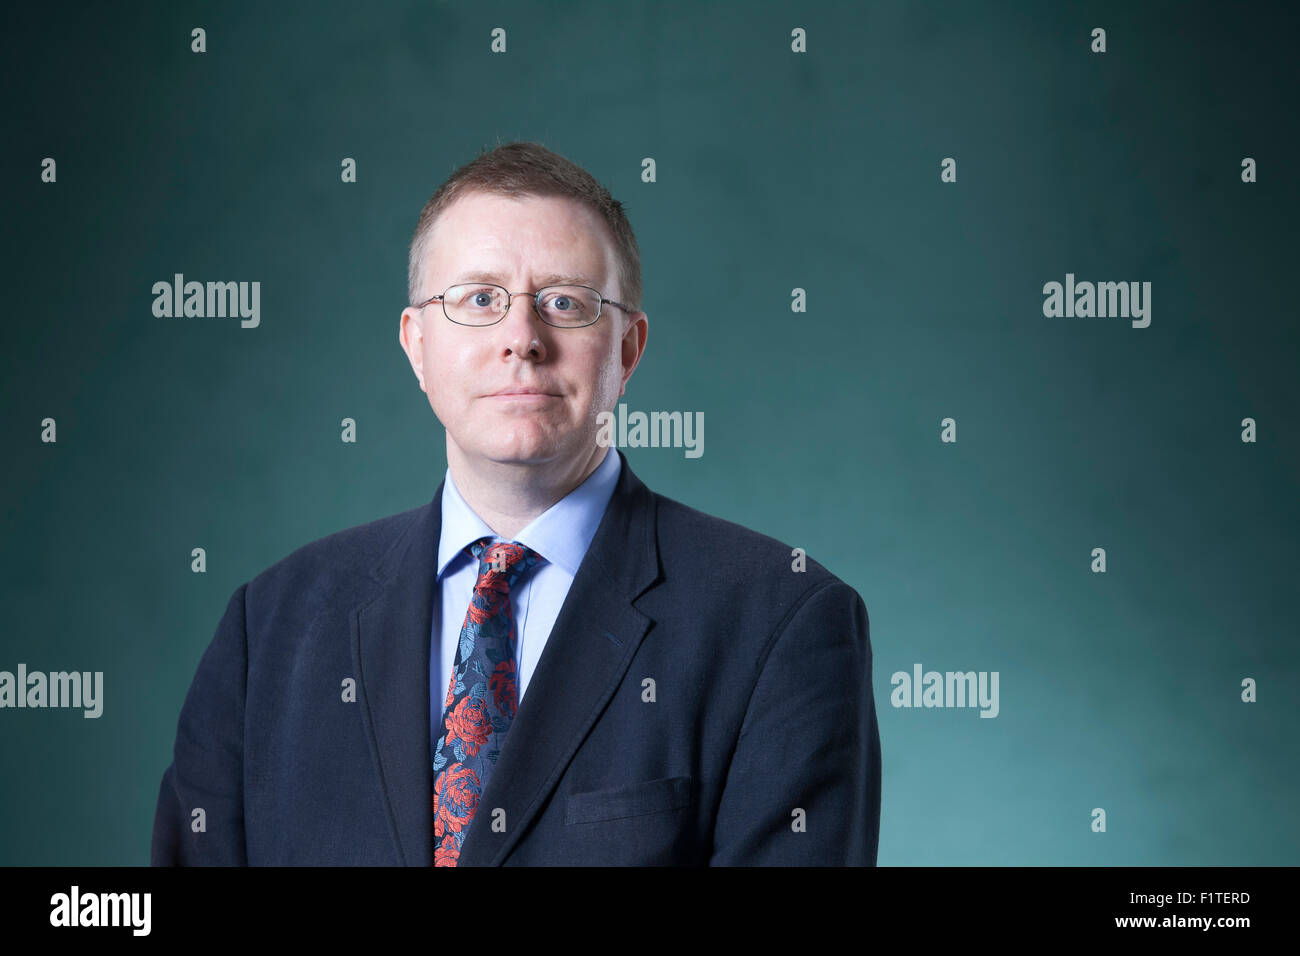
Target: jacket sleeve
{"points": [[207, 766], [803, 786]]}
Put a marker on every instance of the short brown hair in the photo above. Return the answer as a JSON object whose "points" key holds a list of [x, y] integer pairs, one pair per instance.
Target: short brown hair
{"points": [[530, 169]]}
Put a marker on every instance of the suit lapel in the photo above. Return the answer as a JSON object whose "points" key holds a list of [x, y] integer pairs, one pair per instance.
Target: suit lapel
{"points": [[596, 634], [390, 650]]}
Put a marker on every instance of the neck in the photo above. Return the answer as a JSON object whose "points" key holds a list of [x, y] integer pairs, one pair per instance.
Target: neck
{"points": [[509, 495]]}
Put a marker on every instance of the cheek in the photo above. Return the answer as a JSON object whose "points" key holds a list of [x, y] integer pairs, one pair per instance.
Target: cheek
{"points": [[609, 375], [447, 369]]}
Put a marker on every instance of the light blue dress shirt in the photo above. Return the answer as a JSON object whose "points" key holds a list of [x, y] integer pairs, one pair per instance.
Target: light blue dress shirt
{"points": [[561, 535]]}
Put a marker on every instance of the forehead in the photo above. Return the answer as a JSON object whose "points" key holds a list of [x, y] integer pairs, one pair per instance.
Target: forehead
{"points": [[486, 234]]}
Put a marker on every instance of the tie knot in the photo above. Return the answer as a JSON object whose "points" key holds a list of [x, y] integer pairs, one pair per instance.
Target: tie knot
{"points": [[504, 560]]}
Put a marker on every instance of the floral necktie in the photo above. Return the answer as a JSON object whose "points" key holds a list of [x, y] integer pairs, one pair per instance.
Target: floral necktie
{"points": [[482, 696]]}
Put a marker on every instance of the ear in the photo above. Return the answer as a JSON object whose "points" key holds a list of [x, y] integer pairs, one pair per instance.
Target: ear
{"points": [[410, 336], [633, 345]]}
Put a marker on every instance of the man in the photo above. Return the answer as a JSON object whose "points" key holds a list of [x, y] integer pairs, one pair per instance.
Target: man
{"points": [[548, 663]]}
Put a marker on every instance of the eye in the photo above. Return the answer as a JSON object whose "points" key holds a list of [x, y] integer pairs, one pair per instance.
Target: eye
{"points": [[474, 296]]}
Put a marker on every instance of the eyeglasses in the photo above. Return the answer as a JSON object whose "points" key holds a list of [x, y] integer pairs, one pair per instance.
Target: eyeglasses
{"points": [[563, 306]]}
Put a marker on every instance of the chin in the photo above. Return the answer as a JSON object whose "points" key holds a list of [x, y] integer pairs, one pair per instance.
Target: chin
{"points": [[505, 438], [520, 451]]}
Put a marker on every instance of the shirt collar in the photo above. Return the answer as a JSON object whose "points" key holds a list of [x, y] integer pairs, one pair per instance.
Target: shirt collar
{"points": [[561, 534]]}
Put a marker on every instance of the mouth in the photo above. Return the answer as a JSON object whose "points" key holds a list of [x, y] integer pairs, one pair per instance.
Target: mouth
{"points": [[523, 395]]}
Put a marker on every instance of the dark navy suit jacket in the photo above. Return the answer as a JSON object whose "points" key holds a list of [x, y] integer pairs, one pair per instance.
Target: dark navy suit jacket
{"points": [[755, 743]]}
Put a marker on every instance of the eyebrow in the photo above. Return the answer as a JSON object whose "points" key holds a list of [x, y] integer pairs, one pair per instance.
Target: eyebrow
{"points": [[544, 280]]}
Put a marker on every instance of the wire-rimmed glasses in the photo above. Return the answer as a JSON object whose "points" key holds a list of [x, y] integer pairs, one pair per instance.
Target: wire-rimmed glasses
{"points": [[482, 303]]}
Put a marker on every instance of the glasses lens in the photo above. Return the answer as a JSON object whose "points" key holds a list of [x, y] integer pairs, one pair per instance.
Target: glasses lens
{"points": [[569, 305], [474, 303]]}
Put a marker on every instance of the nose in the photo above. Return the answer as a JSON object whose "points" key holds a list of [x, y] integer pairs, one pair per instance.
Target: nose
{"points": [[522, 329]]}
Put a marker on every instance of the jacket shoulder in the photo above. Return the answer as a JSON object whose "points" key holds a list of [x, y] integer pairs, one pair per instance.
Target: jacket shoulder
{"points": [[340, 558], [729, 550]]}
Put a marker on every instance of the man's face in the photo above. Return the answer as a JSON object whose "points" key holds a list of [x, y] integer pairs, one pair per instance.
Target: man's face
{"points": [[520, 244]]}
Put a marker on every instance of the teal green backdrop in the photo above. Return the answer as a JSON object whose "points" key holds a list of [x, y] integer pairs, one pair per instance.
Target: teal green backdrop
{"points": [[774, 170]]}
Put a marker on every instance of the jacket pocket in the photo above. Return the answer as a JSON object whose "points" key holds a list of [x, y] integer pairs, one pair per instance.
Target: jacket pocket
{"points": [[629, 800]]}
